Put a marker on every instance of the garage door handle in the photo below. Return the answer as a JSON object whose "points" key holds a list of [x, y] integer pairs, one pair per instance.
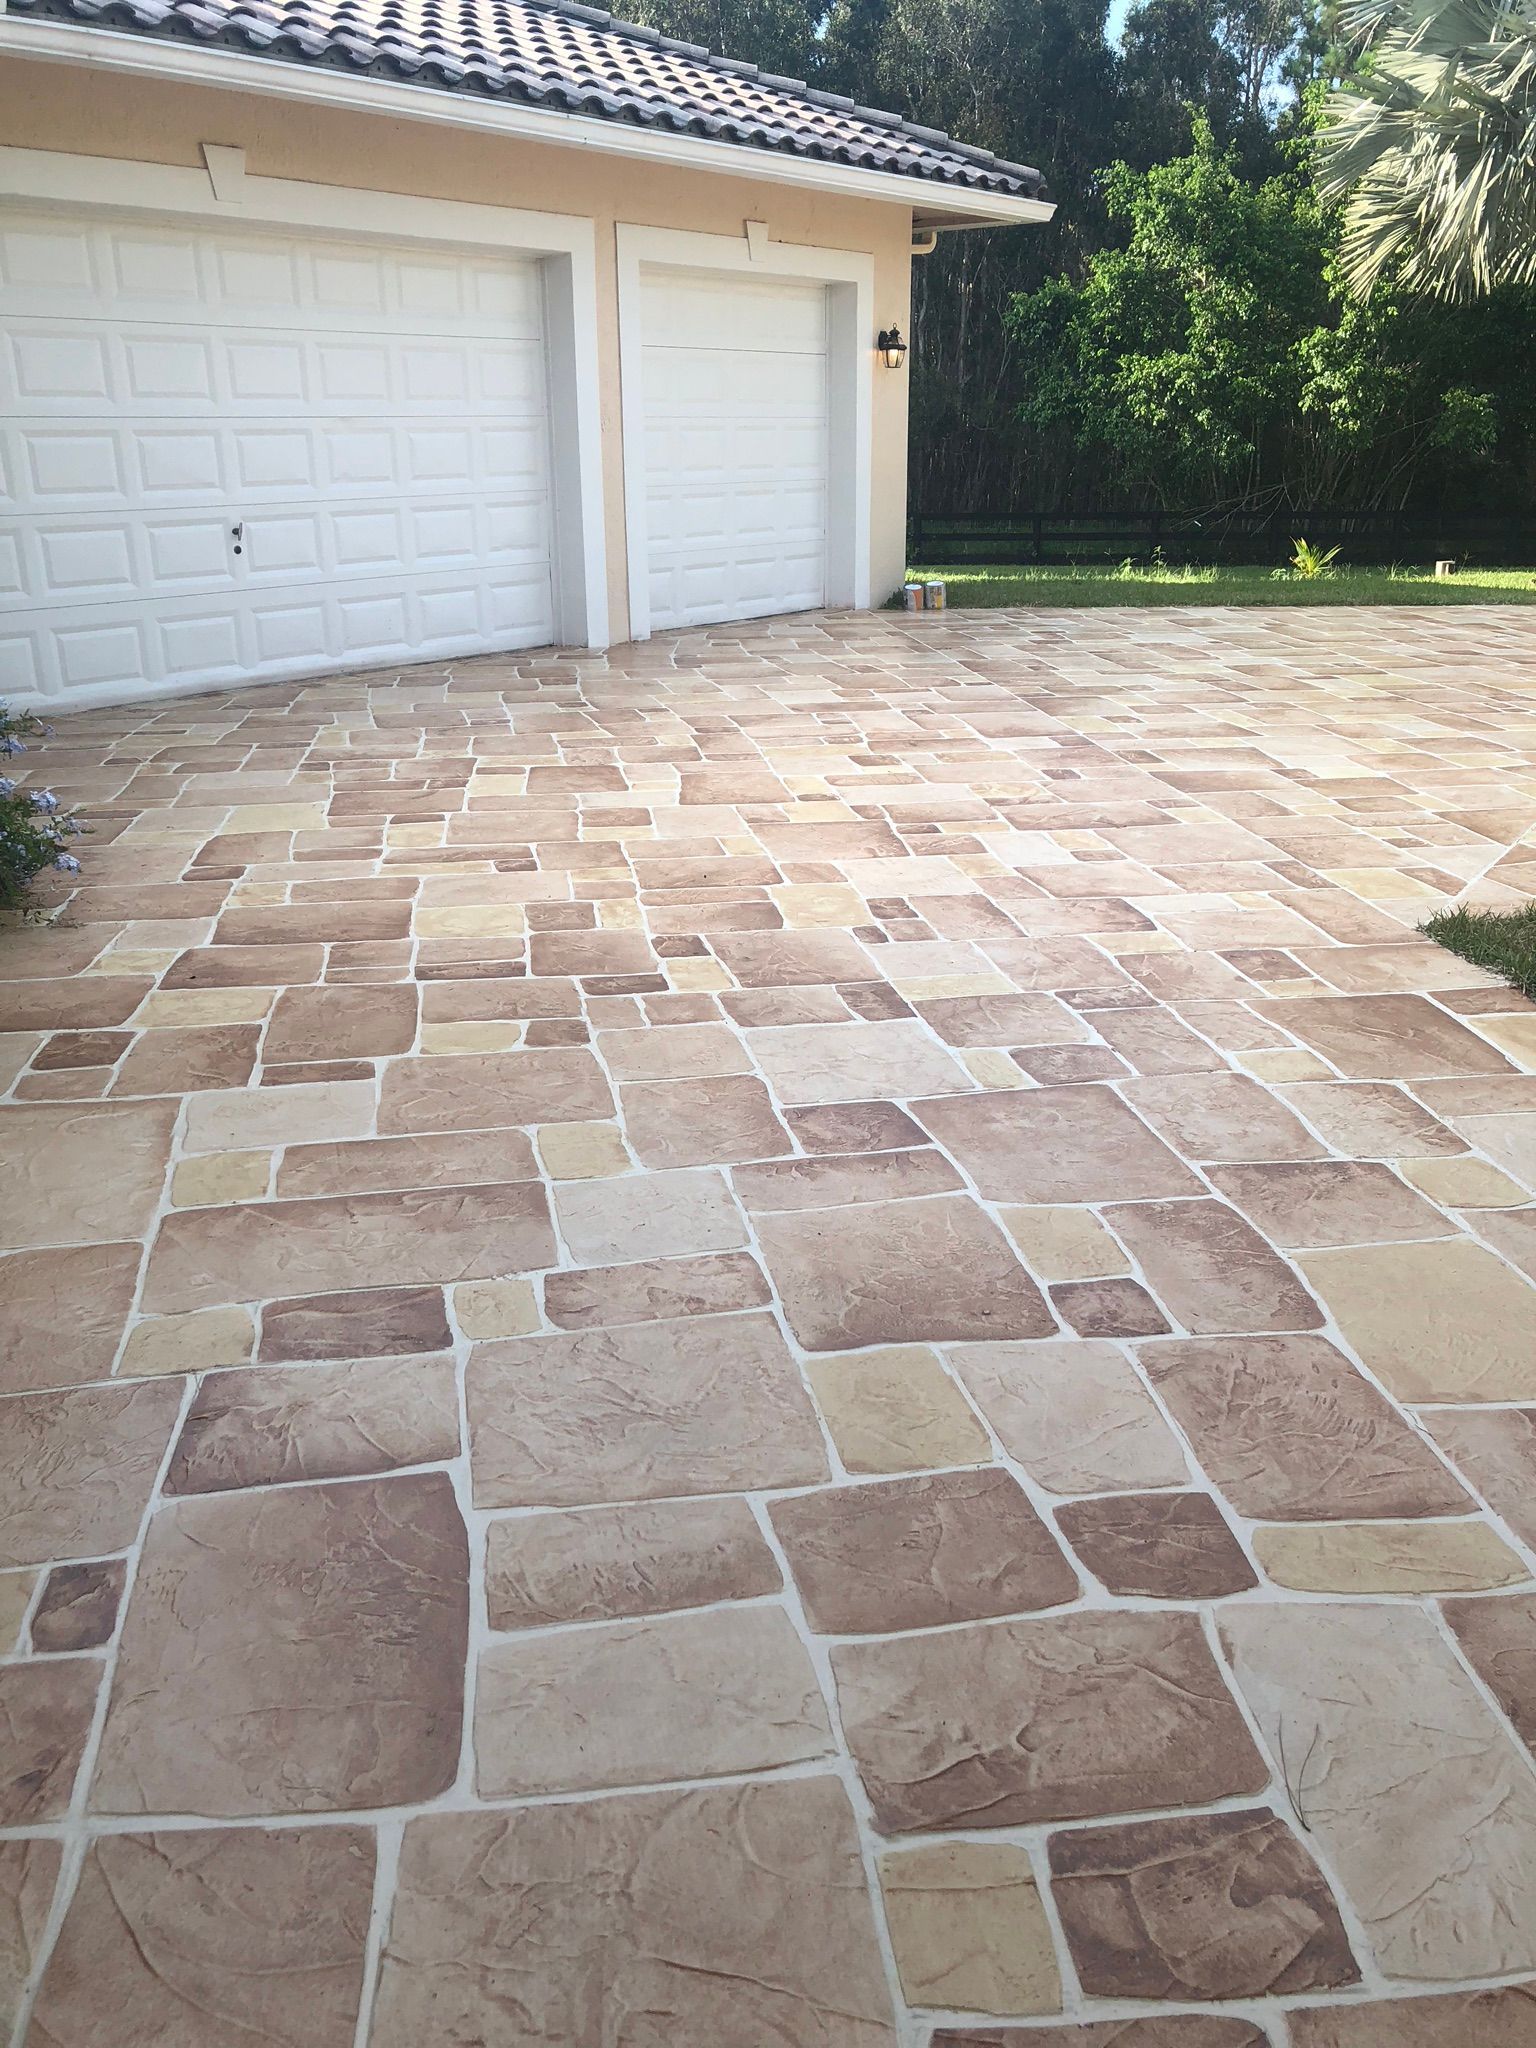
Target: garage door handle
{"points": [[238, 533]]}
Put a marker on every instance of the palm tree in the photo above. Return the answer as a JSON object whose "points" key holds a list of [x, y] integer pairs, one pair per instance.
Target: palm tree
{"points": [[1431, 145]]}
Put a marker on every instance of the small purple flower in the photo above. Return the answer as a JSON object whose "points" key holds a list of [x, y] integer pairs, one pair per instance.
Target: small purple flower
{"points": [[67, 864], [72, 826], [7, 787], [9, 744], [44, 800]]}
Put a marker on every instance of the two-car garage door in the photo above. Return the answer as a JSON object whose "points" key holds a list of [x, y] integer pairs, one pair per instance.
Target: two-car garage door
{"points": [[230, 455]]}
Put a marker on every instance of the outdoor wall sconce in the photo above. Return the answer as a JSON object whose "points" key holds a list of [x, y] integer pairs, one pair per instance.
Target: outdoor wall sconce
{"points": [[892, 348]]}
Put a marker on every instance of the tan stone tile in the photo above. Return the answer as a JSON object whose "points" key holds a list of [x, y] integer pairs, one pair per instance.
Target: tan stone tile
{"points": [[1464, 1183], [232, 1119], [15, 1597], [648, 1216], [62, 1314], [1511, 1140], [583, 1151], [1276, 1064], [739, 1914], [198, 1939], [182, 1007], [81, 1173], [681, 1052], [817, 1063], [1371, 1119], [703, 976], [77, 1468], [968, 1928], [29, 1871], [654, 1290], [604, 1563], [807, 905], [1218, 1905], [244, 1685], [486, 1035], [895, 1410], [1435, 1322], [431, 1237], [1064, 1244], [477, 1090], [641, 1702], [1074, 1414], [1321, 1202], [1124, 1712], [993, 1070], [931, 1271], [191, 1343], [214, 1178], [496, 1308], [1221, 1117], [1388, 1557], [443, 1159], [1417, 1797]]}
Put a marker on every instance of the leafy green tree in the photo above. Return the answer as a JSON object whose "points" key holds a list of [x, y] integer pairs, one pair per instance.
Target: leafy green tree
{"points": [[780, 36], [1431, 145]]}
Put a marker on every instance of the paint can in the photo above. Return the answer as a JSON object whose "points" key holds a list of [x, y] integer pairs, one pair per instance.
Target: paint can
{"points": [[933, 597], [912, 597]]}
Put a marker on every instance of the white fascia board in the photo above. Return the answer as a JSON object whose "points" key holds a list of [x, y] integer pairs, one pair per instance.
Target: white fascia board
{"points": [[156, 57]]}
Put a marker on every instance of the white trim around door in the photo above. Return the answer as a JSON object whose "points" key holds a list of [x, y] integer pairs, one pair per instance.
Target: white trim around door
{"points": [[564, 245], [849, 278]]}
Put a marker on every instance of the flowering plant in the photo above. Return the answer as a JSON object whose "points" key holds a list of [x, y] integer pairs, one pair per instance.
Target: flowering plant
{"points": [[34, 831]]}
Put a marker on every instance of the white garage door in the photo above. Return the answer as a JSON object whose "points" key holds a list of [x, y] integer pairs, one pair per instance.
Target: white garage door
{"points": [[229, 455], [734, 381]]}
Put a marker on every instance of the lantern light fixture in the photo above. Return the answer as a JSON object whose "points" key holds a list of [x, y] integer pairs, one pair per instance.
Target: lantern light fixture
{"points": [[892, 348]]}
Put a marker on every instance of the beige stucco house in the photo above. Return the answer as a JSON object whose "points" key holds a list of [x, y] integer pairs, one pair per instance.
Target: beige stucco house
{"points": [[334, 334]]}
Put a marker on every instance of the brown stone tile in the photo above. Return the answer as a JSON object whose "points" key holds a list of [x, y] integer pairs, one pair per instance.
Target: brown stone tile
{"points": [[919, 1553], [244, 1683], [581, 953], [1211, 1268], [654, 1290], [1290, 1431], [702, 1122], [935, 1271], [642, 1702], [77, 1609], [1061, 1065], [375, 1323], [787, 959], [605, 1563], [1154, 1042], [1385, 1038], [81, 1173], [77, 1468], [97, 1002], [265, 1425], [1445, 1321], [681, 1052], [1498, 1637], [212, 1939], [1008, 1723], [850, 1127], [375, 1165], [1055, 1145], [830, 1182], [333, 1023], [469, 1091], [46, 1709], [1420, 1801], [1003, 1020], [1161, 1546], [188, 1060], [1496, 1449], [1466, 2019], [1221, 1117], [968, 1928], [640, 1916], [1179, 2030], [62, 1314], [762, 1008], [1313, 1203], [1217, 1905], [204, 1257], [245, 966], [29, 1870], [66, 1049], [822, 1063], [651, 1215], [1074, 1415], [707, 1405], [1108, 1308]]}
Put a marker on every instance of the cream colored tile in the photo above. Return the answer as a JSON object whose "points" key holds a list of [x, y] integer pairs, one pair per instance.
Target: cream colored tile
{"points": [[1064, 1244], [178, 1006], [495, 1308], [218, 1177], [994, 1070], [805, 904], [593, 1151], [192, 1343], [489, 1035], [896, 1410], [697, 976], [15, 1594], [469, 921], [1464, 1183], [968, 1928], [1387, 1557]]}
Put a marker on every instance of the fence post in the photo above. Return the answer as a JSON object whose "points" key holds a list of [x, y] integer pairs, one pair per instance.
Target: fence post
{"points": [[1039, 538]]}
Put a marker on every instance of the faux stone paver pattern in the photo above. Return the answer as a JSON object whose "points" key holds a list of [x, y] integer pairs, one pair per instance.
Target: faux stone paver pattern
{"points": [[822, 1332]]}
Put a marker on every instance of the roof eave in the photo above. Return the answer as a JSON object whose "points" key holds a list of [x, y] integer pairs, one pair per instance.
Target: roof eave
{"points": [[151, 56]]}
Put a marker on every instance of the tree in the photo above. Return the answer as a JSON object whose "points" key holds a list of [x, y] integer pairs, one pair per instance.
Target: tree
{"points": [[1431, 146]]}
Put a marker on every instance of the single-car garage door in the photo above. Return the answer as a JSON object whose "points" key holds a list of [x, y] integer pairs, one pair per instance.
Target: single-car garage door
{"points": [[230, 455], [734, 387]]}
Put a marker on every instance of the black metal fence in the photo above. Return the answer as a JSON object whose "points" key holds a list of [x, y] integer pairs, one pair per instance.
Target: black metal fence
{"points": [[952, 539]]}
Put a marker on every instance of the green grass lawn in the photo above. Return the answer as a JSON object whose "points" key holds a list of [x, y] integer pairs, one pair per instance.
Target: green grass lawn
{"points": [[1503, 941], [1111, 585]]}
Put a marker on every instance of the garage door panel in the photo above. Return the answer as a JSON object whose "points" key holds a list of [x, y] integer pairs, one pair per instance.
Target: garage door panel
{"points": [[374, 419]]}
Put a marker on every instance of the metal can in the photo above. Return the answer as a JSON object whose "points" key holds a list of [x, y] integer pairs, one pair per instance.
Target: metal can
{"points": [[912, 597], [933, 597]]}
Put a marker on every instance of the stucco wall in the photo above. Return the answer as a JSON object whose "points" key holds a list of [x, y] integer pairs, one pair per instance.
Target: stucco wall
{"points": [[58, 107]]}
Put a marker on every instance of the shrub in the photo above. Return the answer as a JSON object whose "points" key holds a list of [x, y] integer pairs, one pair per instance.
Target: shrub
{"points": [[34, 832]]}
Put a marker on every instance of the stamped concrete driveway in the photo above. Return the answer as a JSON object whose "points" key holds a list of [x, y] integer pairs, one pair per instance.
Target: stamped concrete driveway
{"points": [[811, 1338]]}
